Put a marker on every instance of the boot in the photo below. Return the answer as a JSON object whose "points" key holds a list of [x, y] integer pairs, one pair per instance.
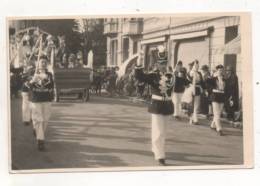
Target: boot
{"points": [[40, 144], [161, 162], [26, 123]]}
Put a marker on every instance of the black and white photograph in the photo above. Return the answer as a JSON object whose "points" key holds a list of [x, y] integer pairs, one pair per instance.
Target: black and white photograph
{"points": [[129, 92]]}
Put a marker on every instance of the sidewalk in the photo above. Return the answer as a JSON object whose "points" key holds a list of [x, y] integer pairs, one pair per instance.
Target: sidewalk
{"points": [[225, 121]]}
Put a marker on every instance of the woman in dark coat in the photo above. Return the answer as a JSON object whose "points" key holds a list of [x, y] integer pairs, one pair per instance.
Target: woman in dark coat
{"points": [[232, 102]]}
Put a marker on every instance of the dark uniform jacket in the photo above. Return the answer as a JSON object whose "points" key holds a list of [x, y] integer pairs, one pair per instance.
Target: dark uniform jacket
{"points": [[218, 95], [43, 90], [179, 83], [156, 80]]}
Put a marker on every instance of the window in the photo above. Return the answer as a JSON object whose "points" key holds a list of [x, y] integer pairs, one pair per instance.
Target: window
{"points": [[231, 32], [125, 49], [135, 47], [230, 60], [113, 52]]}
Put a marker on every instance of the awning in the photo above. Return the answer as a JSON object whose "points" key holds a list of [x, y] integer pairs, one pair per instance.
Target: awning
{"points": [[154, 40], [189, 35], [233, 46]]}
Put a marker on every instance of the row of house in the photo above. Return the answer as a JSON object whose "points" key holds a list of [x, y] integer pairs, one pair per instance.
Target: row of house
{"points": [[211, 40]]}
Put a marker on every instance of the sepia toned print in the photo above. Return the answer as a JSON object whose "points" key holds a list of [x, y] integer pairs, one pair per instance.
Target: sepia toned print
{"points": [[140, 92]]}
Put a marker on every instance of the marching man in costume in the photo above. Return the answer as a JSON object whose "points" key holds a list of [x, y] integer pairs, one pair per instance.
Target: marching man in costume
{"points": [[41, 87], [218, 98], [161, 106]]}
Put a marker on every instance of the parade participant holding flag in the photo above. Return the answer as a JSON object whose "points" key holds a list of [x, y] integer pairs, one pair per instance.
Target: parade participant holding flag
{"points": [[41, 87], [161, 106]]}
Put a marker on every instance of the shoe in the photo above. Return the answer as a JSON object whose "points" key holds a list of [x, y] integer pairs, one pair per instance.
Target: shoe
{"points": [[177, 117], [40, 144], [212, 128], [161, 162], [220, 133], [26, 123], [193, 123]]}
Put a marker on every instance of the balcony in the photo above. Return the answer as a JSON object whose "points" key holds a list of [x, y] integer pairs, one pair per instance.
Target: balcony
{"points": [[111, 28], [132, 27]]}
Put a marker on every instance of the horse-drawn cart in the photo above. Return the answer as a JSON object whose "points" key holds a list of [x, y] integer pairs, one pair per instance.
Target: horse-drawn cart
{"points": [[72, 80]]}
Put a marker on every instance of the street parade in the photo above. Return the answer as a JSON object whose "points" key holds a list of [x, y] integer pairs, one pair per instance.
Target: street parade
{"points": [[45, 74]]}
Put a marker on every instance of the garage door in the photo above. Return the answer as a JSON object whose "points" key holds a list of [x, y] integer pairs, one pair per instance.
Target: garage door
{"points": [[193, 49]]}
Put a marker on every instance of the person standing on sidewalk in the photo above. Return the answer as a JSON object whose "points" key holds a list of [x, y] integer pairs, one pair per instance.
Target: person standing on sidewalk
{"points": [[41, 87], [232, 103], [161, 106], [218, 98], [180, 82]]}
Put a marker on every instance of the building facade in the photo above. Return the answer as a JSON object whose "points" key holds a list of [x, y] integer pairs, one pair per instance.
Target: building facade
{"points": [[210, 40], [123, 39], [187, 39]]}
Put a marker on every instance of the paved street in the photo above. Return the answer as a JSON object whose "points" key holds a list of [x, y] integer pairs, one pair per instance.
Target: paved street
{"points": [[109, 132]]}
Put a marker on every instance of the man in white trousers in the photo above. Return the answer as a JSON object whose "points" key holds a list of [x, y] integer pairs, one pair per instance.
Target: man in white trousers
{"points": [[161, 106], [41, 87], [26, 102], [218, 98]]}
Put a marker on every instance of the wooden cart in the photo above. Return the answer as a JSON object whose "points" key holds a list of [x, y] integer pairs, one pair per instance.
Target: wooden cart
{"points": [[78, 79]]}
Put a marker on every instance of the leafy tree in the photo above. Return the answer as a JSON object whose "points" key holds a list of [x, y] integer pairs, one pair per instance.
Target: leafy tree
{"points": [[92, 38]]}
